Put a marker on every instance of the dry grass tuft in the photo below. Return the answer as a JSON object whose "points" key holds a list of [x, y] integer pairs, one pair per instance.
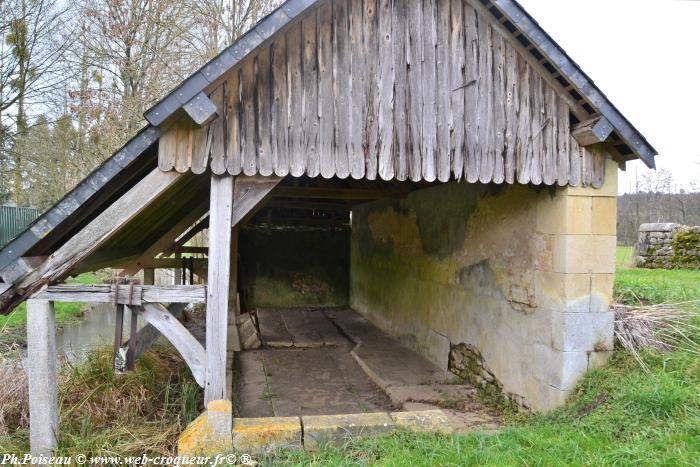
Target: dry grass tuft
{"points": [[14, 398], [143, 411], [664, 327]]}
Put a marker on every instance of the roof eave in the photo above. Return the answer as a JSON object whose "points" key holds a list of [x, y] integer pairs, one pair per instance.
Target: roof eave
{"points": [[232, 55], [527, 26]]}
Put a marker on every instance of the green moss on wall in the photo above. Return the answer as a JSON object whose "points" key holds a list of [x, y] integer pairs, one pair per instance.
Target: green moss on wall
{"points": [[686, 249]]}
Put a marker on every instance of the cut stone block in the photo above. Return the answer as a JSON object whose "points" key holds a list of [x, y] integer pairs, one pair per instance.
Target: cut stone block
{"points": [[581, 332], [430, 421], [558, 369], [273, 330], [209, 434], [266, 435], [337, 429], [604, 220], [437, 394], [584, 254]]}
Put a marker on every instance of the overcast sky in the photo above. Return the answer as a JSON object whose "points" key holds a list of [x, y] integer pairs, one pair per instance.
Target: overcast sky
{"points": [[645, 56]]}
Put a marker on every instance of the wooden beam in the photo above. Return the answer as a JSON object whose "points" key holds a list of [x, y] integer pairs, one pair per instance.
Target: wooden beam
{"points": [[118, 333], [42, 377], [91, 237], [338, 193], [165, 241], [593, 131], [201, 110], [218, 277], [173, 330], [249, 195], [233, 337], [187, 236], [173, 263], [146, 337], [309, 205], [198, 250], [131, 350], [124, 294]]}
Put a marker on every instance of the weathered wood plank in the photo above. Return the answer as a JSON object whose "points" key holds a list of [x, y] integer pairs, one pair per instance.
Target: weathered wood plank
{"points": [[249, 147], [310, 113], [485, 105], [101, 229], [523, 148], [233, 124], [201, 149], [248, 194], [563, 144], [217, 144], [499, 107], [429, 89], [443, 152], [124, 294], [185, 145], [220, 216], [414, 88], [385, 99], [341, 87], [370, 47], [166, 240], [172, 329], [357, 82], [42, 376], [325, 90], [149, 334], [167, 149], [512, 113], [549, 172], [472, 159], [538, 123], [400, 61], [457, 51], [296, 104], [280, 123], [262, 112]]}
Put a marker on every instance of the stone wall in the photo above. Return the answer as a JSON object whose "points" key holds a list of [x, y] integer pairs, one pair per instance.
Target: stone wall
{"points": [[667, 246], [513, 282], [293, 267]]}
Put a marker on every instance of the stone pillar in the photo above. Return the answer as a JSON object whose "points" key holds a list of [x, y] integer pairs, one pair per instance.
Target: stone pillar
{"points": [[575, 285], [42, 376]]}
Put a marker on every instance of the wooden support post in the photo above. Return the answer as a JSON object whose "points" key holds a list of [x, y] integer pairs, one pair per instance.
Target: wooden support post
{"points": [[118, 332], [178, 269], [42, 375], [220, 215], [131, 353]]}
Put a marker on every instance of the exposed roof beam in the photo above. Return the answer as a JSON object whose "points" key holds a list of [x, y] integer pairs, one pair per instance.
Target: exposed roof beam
{"points": [[593, 131], [201, 109], [338, 193]]}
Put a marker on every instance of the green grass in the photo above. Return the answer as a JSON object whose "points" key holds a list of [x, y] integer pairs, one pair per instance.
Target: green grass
{"points": [[651, 286], [65, 312]]}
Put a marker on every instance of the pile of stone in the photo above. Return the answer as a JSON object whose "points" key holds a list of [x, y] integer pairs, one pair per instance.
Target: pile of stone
{"points": [[667, 246]]}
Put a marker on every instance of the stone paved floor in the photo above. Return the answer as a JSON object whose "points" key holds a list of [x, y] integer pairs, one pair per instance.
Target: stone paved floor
{"points": [[306, 369], [309, 367]]}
